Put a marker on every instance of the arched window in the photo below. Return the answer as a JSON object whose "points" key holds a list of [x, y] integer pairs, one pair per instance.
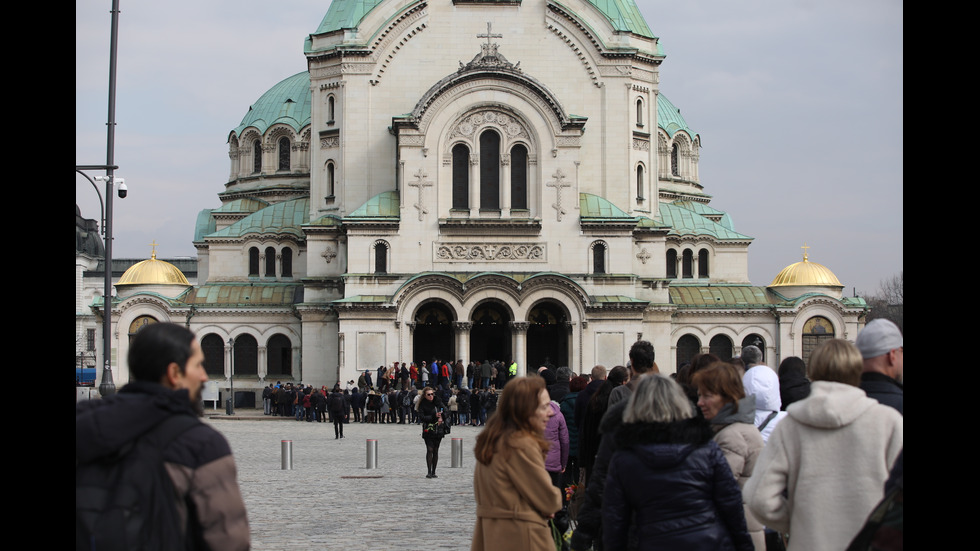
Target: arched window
{"points": [[489, 170], [287, 262], [253, 261], [672, 263], [213, 347], [598, 257], [270, 262], [639, 112], [518, 177], [279, 353], [639, 182], [246, 356], [687, 347], [675, 168], [721, 346], [703, 263], [284, 153], [256, 156], [331, 179], [461, 177], [380, 257], [816, 330], [687, 264], [330, 109]]}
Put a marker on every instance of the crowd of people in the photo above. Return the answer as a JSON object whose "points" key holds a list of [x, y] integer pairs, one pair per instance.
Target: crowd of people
{"points": [[720, 455]]}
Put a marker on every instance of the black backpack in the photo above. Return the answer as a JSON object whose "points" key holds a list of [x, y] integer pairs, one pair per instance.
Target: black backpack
{"points": [[126, 500]]}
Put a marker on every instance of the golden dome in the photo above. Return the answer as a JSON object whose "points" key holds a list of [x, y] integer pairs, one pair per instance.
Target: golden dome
{"points": [[806, 273], [153, 272]]}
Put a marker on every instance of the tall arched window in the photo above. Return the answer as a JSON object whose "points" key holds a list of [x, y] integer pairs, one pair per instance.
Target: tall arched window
{"points": [[489, 170], [687, 264], [270, 262], [287, 262], [639, 182], [672, 263], [279, 356], [639, 112], [256, 156], [213, 347], [253, 261], [380, 257], [331, 179], [703, 263], [675, 168], [721, 346], [283, 153], [330, 109], [518, 177], [598, 258], [687, 347], [461, 177], [246, 356]]}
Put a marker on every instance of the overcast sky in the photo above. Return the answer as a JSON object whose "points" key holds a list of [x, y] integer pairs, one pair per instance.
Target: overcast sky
{"points": [[798, 105]]}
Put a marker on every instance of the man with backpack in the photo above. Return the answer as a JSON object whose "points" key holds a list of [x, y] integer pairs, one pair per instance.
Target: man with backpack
{"points": [[148, 473]]}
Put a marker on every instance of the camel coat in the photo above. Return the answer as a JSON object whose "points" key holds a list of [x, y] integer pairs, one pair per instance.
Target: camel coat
{"points": [[514, 498]]}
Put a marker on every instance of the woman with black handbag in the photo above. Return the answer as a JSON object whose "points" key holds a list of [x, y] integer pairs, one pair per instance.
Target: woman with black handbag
{"points": [[433, 427]]}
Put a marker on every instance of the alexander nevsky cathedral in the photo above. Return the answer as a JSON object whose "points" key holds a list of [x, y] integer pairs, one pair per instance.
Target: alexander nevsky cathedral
{"points": [[458, 179]]}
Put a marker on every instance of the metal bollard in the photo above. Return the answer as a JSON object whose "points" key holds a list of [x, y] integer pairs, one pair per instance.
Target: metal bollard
{"points": [[457, 460], [372, 454], [287, 455]]}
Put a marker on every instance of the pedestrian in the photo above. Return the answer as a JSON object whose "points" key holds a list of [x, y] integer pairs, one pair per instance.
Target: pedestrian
{"points": [[514, 495], [431, 411]]}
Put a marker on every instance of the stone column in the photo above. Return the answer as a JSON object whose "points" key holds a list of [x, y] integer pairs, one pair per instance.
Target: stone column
{"points": [[474, 185], [519, 329], [505, 185], [263, 368], [462, 329]]}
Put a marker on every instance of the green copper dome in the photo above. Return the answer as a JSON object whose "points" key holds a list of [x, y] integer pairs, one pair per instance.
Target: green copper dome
{"points": [[287, 102], [348, 14], [669, 117]]}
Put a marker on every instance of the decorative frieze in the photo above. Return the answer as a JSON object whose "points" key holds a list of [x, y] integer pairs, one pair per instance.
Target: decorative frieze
{"points": [[641, 145], [506, 252]]}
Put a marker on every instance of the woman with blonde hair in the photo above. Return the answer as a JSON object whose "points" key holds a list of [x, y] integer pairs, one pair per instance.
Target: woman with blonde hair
{"points": [[826, 463], [513, 491], [669, 486]]}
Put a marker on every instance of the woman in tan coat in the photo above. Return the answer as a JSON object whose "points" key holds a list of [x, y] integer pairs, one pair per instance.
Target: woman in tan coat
{"points": [[514, 494]]}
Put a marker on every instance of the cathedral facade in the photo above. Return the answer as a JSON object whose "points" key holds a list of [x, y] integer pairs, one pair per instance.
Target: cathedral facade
{"points": [[475, 180]]}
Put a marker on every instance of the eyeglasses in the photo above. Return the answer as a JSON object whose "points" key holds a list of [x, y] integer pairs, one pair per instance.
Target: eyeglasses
{"points": [[429, 394]]}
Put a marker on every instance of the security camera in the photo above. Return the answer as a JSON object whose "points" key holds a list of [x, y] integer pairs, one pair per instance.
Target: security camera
{"points": [[123, 190]]}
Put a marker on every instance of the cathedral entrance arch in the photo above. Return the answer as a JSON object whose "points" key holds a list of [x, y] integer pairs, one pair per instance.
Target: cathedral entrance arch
{"points": [[490, 335], [547, 336], [433, 335]]}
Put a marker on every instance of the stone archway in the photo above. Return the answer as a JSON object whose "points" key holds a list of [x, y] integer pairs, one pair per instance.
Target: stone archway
{"points": [[547, 336], [433, 334], [490, 337]]}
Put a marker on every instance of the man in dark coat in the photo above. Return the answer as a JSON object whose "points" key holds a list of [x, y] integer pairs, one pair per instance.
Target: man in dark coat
{"points": [[881, 346]]}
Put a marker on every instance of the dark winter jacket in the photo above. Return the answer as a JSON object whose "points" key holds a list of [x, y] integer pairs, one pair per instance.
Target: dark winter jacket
{"points": [[199, 460], [883, 388], [671, 484]]}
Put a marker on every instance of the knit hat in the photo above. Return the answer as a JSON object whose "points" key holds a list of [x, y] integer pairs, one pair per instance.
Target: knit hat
{"points": [[878, 337]]}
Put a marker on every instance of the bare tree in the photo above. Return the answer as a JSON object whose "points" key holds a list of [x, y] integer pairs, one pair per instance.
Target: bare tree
{"points": [[888, 301]]}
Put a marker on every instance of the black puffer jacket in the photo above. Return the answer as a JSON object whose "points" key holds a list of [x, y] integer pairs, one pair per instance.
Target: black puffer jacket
{"points": [[670, 485]]}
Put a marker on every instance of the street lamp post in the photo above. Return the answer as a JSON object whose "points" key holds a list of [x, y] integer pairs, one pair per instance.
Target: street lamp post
{"points": [[107, 386], [230, 404]]}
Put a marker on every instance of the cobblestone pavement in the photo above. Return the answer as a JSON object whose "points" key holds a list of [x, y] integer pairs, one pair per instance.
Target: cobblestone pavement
{"points": [[325, 503]]}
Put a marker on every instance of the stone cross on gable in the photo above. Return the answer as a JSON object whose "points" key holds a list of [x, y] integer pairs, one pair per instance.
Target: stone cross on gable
{"points": [[488, 35], [421, 183], [643, 255], [558, 183]]}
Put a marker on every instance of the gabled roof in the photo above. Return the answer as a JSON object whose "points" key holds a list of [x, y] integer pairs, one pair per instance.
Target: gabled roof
{"points": [[245, 294]]}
